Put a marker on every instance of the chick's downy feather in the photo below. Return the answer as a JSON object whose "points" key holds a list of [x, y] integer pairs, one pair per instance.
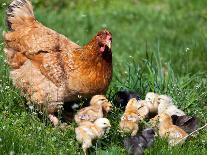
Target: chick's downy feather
{"points": [[87, 132], [174, 134], [166, 106], [129, 120], [99, 106]]}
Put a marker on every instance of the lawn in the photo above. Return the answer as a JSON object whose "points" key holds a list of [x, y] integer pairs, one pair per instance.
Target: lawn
{"points": [[158, 45]]}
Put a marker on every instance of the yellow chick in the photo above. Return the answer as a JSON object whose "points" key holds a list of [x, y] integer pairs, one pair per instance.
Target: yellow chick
{"points": [[166, 106], [130, 118], [101, 99], [151, 102], [106, 107], [99, 106], [98, 99], [154, 123], [143, 110], [172, 132], [89, 131]]}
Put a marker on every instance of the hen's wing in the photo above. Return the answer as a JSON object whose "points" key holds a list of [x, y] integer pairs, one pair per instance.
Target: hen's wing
{"points": [[28, 39]]}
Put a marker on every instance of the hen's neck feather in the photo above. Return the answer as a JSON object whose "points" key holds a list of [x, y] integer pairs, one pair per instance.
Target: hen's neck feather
{"points": [[92, 51]]}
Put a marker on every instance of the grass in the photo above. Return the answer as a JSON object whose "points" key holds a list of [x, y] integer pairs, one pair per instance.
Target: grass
{"points": [[158, 45]]}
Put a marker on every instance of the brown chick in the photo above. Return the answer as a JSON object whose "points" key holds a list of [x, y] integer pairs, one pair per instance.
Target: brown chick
{"points": [[88, 131], [49, 68], [187, 123], [130, 118], [172, 132], [151, 102], [99, 106]]}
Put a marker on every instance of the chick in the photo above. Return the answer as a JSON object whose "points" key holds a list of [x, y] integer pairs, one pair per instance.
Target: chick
{"points": [[130, 118], [98, 99], [172, 132], [99, 106], [151, 102], [143, 110], [106, 107], [137, 144], [166, 106], [187, 123], [154, 122], [123, 96], [101, 99], [90, 113], [88, 131]]}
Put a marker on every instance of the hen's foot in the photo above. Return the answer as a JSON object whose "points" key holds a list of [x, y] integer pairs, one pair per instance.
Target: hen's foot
{"points": [[53, 119]]}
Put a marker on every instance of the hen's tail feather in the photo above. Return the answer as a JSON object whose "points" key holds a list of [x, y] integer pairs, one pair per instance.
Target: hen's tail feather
{"points": [[19, 12]]}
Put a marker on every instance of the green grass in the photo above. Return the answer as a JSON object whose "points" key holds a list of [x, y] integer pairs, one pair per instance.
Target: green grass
{"points": [[158, 45]]}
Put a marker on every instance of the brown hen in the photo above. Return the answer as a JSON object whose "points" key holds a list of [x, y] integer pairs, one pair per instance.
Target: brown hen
{"points": [[48, 67]]}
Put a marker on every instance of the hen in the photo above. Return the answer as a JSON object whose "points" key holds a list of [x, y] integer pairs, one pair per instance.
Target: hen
{"points": [[48, 67]]}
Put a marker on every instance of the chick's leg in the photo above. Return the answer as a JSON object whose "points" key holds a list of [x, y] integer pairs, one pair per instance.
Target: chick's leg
{"points": [[136, 128], [86, 144]]}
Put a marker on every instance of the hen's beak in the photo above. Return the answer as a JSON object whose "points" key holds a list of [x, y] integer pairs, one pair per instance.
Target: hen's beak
{"points": [[108, 43]]}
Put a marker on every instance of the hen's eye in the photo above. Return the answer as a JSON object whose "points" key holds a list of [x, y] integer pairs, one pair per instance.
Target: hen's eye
{"points": [[100, 44], [110, 38]]}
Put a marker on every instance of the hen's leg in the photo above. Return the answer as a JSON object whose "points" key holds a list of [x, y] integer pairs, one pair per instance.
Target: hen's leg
{"points": [[51, 109], [53, 119]]}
